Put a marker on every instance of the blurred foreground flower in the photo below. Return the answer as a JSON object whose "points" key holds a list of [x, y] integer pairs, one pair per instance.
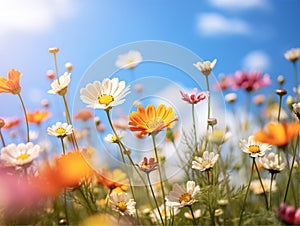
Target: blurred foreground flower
{"points": [[121, 203], [12, 83], [129, 60], [288, 214], [181, 196], [257, 189], [18, 155], [151, 120], [278, 134], [197, 214], [105, 95]]}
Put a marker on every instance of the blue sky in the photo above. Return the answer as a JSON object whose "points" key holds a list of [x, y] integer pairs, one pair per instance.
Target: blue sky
{"points": [[240, 34]]}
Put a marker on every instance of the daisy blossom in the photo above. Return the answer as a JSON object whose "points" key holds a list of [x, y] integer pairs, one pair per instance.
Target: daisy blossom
{"points": [[21, 154], [181, 196], [129, 60], [60, 129], [104, 95], [270, 162], [206, 67], [207, 161], [254, 148], [60, 86], [121, 203], [292, 54]]}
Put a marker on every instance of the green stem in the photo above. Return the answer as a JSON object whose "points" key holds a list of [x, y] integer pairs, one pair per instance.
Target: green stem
{"points": [[63, 145], [159, 171], [291, 170], [26, 118], [247, 191], [2, 139], [192, 212], [65, 206], [208, 100], [270, 193], [261, 183], [194, 126], [148, 177]]}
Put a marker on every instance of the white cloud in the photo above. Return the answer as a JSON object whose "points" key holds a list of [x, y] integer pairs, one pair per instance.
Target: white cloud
{"points": [[33, 15], [212, 24], [240, 4], [256, 60]]}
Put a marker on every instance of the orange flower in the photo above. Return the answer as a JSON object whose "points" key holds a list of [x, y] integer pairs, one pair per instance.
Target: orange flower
{"points": [[12, 84], [113, 180], [278, 134], [12, 122], [84, 115], [151, 120], [37, 116], [68, 171]]}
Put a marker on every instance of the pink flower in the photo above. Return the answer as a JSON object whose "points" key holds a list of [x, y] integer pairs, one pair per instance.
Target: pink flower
{"points": [[193, 98], [224, 83], [147, 165], [288, 214], [250, 81]]}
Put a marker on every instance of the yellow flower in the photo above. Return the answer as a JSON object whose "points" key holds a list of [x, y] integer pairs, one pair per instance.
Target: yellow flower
{"points": [[12, 84], [278, 134], [151, 120]]}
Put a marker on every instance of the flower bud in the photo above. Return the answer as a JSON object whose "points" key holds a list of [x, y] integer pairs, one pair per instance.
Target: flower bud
{"points": [[53, 50]]}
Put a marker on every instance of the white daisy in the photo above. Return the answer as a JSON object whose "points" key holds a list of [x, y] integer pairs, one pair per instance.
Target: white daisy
{"points": [[271, 163], [206, 67], [121, 203], [129, 60], [21, 154], [111, 138], [207, 161], [181, 196], [292, 54], [257, 189], [60, 129], [169, 212], [104, 95], [60, 86], [253, 148]]}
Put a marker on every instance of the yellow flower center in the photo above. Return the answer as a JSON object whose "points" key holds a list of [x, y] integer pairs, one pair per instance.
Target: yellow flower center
{"points": [[145, 166], [205, 163], [153, 124], [60, 131], [122, 206], [23, 156], [105, 99], [185, 198], [114, 138], [254, 148]]}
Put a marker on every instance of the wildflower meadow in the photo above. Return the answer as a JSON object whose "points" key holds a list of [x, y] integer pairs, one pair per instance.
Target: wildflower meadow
{"points": [[127, 149]]}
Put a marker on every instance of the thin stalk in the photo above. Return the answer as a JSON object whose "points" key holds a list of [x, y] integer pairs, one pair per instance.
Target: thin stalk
{"points": [[160, 175], [26, 118], [208, 100], [192, 212], [262, 185], [194, 126], [63, 145], [279, 108], [291, 170], [150, 185], [270, 193], [56, 67], [2, 139], [247, 191], [65, 206]]}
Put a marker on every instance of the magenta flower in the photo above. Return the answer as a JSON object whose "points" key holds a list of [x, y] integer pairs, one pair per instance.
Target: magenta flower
{"points": [[288, 214], [193, 98], [147, 165], [250, 81]]}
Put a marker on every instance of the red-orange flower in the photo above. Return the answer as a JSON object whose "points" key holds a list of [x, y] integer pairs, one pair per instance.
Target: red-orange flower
{"points": [[12, 83], [11, 122], [113, 180], [37, 116], [68, 171], [84, 115], [151, 119], [278, 134]]}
